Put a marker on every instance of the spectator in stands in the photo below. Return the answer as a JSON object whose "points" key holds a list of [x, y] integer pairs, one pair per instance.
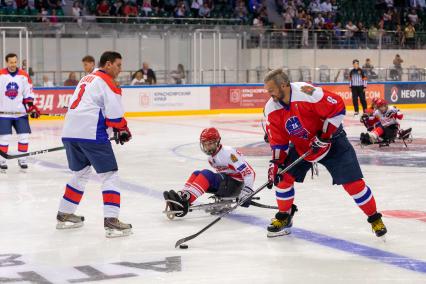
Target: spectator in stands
{"points": [[368, 69], [138, 80], [240, 11], [314, 7], [338, 34], [117, 9], [178, 75], [103, 9], [319, 21], [180, 10], [76, 12], [195, 7], [88, 64], [53, 19], [204, 11], [305, 35], [409, 33], [53, 4], [72, 80], [412, 17], [130, 10], [47, 82], [148, 74], [328, 21], [350, 31], [388, 18], [169, 5], [146, 7], [399, 36], [288, 20], [361, 35], [326, 6], [334, 7], [44, 15], [21, 4], [24, 67], [396, 74]]}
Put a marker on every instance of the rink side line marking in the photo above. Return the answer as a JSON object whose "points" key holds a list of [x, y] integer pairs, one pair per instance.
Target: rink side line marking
{"points": [[313, 237]]}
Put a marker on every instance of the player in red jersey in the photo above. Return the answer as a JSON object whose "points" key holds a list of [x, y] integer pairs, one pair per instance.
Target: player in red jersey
{"points": [[301, 118]]}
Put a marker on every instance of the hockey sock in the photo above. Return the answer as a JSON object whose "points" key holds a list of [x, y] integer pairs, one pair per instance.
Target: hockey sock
{"points": [[362, 195], [110, 194], [284, 193], [192, 178], [378, 131], [199, 185], [4, 143], [74, 191], [23, 142]]}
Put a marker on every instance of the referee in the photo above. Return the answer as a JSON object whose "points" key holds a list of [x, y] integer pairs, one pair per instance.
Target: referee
{"points": [[358, 82]]}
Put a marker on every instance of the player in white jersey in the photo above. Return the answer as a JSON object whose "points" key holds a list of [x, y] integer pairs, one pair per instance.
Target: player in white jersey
{"points": [[385, 118], [95, 107], [234, 177], [16, 101]]}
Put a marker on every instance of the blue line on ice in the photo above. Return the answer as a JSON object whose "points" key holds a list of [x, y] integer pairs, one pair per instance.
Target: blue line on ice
{"points": [[317, 238]]}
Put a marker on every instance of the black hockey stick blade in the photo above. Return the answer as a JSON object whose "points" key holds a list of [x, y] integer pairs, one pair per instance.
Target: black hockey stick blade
{"points": [[260, 205], [242, 201]]}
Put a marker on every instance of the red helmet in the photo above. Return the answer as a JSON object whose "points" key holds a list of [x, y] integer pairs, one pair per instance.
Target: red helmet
{"points": [[208, 135], [381, 102]]}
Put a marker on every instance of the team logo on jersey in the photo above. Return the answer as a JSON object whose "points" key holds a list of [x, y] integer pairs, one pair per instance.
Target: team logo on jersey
{"points": [[295, 128], [12, 90], [234, 158], [309, 90]]}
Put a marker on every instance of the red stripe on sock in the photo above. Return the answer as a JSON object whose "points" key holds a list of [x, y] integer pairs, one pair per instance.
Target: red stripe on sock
{"points": [[287, 182], [72, 194], [22, 147], [111, 198], [356, 187], [4, 149]]}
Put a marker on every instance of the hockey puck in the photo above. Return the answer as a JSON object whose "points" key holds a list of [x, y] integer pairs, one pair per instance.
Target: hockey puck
{"points": [[183, 246]]}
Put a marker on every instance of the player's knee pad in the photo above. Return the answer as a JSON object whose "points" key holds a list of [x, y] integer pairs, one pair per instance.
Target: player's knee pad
{"points": [[4, 139], [23, 138], [109, 180], [81, 178]]}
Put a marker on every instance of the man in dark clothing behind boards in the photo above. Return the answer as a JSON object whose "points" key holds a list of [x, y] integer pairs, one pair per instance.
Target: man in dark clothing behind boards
{"points": [[358, 83], [148, 74]]}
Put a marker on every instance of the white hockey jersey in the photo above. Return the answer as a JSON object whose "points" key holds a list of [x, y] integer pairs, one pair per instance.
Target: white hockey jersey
{"points": [[16, 89], [389, 117], [231, 162], [94, 106]]}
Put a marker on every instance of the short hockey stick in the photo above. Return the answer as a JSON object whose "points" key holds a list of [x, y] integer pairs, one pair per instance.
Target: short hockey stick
{"points": [[9, 157], [261, 205], [24, 113], [242, 201]]}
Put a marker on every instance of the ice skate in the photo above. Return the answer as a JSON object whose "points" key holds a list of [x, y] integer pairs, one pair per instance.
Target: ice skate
{"points": [[377, 225], [282, 223], [69, 221], [114, 228], [23, 164]]}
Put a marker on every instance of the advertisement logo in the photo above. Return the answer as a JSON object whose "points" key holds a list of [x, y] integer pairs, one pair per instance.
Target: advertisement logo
{"points": [[144, 100], [234, 96], [394, 94], [12, 90]]}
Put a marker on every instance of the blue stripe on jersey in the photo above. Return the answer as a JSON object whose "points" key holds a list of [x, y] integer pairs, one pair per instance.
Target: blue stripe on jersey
{"points": [[280, 147], [285, 194], [242, 167], [364, 197], [115, 119], [101, 134]]}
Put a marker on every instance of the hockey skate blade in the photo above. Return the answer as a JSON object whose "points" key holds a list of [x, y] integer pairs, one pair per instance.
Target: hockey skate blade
{"points": [[284, 232], [68, 225], [111, 233]]}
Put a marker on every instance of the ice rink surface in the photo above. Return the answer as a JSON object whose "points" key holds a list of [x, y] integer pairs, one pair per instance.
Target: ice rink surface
{"points": [[331, 241]]}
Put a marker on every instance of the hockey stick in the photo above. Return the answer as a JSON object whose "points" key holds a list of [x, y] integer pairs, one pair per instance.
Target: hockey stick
{"points": [[24, 113], [260, 205], [9, 157], [242, 201]]}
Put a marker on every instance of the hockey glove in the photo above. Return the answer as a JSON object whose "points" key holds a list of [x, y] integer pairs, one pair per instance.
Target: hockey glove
{"points": [[33, 110], [364, 118], [319, 148], [245, 192], [122, 135], [273, 177]]}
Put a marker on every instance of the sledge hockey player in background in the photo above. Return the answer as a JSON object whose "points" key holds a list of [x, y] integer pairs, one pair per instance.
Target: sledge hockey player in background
{"points": [[16, 96], [95, 107], [310, 118], [386, 127], [368, 118], [234, 177]]}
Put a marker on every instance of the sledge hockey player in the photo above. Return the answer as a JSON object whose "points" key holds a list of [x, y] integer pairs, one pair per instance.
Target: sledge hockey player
{"points": [[16, 103], [95, 108], [234, 177], [386, 127], [310, 118]]}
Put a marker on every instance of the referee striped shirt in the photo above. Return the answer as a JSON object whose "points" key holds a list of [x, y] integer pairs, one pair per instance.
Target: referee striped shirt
{"points": [[357, 78]]}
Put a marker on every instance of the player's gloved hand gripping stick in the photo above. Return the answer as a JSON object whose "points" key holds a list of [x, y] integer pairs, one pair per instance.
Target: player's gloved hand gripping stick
{"points": [[240, 202]]}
